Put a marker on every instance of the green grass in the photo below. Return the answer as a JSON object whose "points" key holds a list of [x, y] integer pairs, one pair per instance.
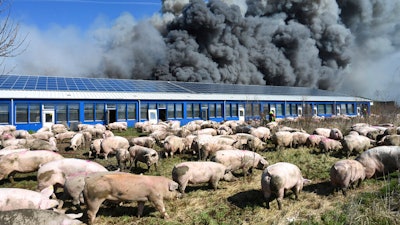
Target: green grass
{"points": [[241, 202]]}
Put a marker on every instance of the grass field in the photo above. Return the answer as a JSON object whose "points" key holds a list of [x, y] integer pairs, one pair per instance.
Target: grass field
{"points": [[241, 202]]}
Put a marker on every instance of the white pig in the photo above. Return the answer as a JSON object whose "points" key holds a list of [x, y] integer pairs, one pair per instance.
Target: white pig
{"points": [[19, 198], [25, 162], [200, 172], [278, 178], [54, 172]]}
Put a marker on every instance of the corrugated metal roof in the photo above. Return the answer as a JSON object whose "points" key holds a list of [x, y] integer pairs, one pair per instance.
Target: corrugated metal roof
{"points": [[47, 87]]}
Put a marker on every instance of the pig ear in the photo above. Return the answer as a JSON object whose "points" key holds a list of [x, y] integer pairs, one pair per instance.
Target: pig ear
{"points": [[172, 186], [48, 191], [74, 216], [306, 181]]}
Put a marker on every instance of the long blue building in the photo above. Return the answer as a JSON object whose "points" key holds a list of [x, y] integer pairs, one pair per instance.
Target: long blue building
{"points": [[31, 102]]}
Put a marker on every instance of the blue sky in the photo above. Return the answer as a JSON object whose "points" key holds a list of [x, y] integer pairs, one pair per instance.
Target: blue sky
{"points": [[78, 13]]}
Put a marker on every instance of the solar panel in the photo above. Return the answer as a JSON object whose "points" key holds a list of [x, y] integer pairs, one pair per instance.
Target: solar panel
{"points": [[20, 82]]}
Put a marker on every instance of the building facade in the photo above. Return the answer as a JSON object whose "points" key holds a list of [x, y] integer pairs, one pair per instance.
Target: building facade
{"points": [[31, 102]]}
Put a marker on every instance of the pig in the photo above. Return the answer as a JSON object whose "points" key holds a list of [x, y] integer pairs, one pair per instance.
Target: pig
{"points": [[208, 131], [38, 216], [111, 144], [120, 126], [173, 144], [380, 160], [22, 134], [64, 136], [240, 159], [19, 198], [77, 141], [25, 162], [282, 139], [346, 173], [9, 151], [38, 144], [59, 128], [73, 186], [299, 139], [255, 143], [329, 145], [13, 142], [313, 140], [354, 143], [333, 133], [145, 155], [207, 150], [393, 139], [123, 156], [120, 186], [200, 172], [44, 135], [144, 141], [322, 131], [226, 130], [95, 147], [54, 172], [279, 177], [264, 133]]}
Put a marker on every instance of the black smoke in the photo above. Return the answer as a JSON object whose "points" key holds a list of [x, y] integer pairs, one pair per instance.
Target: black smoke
{"points": [[285, 43]]}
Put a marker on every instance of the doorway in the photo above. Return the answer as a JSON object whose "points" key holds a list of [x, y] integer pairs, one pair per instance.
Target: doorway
{"points": [[48, 118], [241, 114], [111, 116], [162, 114]]}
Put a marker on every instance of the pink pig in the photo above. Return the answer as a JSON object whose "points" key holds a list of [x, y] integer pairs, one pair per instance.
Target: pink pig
{"points": [[55, 172], [19, 198]]}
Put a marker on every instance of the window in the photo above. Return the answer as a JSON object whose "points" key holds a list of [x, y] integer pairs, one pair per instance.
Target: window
{"points": [[256, 109], [179, 110], [288, 107], [22, 113], [34, 113], [143, 111], [294, 108], [343, 109], [121, 111], [279, 110], [329, 108], [171, 111], [4, 114], [89, 112], [196, 110], [350, 108], [61, 113], [131, 111], [249, 110], [189, 110], [321, 109], [235, 110], [228, 110], [99, 111], [219, 110], [73, 112], [212, 110]]}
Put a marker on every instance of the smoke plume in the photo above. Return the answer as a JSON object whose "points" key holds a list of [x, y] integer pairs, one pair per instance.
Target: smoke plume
{"points": [[346, 45]]}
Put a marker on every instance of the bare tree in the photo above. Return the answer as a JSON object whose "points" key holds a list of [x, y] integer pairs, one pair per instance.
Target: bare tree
{"points": [[10, 42]]}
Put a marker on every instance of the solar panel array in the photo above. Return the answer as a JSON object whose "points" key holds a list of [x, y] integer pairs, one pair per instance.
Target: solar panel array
{"points": [[48, 83], [17, 82]]}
